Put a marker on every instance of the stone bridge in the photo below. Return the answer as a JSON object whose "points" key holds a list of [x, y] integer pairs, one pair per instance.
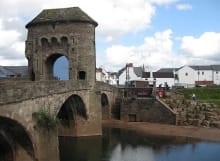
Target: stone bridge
{"points": [[73, 101]]}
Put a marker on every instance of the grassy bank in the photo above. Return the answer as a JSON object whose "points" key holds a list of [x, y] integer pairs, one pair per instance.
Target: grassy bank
{"points": [[204, 94]]}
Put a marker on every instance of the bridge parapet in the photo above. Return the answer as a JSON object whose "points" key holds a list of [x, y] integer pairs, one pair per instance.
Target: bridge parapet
{"points": [[102, 86], [11, 92]]}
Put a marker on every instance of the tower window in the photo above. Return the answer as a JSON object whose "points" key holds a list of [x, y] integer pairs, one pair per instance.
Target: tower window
{"points": [[82, 75]]}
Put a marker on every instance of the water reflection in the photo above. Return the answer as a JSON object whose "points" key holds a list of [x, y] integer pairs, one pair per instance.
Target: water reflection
{"points": [[124, 145]]}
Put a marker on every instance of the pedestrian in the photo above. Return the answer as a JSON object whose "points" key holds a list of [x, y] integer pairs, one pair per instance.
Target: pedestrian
{"points": [[193, 97]]}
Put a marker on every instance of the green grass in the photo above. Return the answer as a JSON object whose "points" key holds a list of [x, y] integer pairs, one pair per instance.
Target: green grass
{"points": [[203, 94]]}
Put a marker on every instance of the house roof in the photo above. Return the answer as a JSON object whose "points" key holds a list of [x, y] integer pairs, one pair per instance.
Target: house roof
{"points": [[146, 75], [72, 14], [121, 71], [201, 67], [138, 71], [216, 67], [14, 70], [5, 72], [167, 69], [163, 75]]}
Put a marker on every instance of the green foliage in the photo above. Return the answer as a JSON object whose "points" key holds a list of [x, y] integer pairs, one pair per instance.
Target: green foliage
{"points": [[46, 120], [203, 94]]}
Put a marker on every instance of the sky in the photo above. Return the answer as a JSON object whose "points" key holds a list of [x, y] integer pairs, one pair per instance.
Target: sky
{"points": [[153, 33]]}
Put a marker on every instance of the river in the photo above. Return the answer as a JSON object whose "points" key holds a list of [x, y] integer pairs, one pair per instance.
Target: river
{"points": [[125, 145]]}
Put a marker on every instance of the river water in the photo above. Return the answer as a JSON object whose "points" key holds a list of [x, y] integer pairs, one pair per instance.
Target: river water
{"points": [[124, 145]]}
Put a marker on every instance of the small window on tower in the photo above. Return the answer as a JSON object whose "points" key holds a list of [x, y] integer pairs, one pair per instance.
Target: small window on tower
{"points": [[82, 75]]}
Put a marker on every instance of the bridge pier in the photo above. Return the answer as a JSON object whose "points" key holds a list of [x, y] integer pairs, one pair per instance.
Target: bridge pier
{"points": [[47, 146], [91, 125]]}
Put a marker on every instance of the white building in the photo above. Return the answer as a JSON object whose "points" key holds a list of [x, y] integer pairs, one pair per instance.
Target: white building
{"points": [[108, 77], [129, 73], [216, 74], [186, 76], [163, 78], [198, 75], [101, 75], [160, 78]]}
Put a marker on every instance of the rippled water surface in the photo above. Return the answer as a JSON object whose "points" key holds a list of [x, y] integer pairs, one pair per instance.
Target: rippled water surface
{"points": [[124, 145]]}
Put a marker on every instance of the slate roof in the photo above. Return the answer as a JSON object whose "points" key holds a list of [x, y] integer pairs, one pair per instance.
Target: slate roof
{"points": [[216, 67], [138, 71], [167, 69], [146, 75], [72, 14], [163, 75], [121, 71], [6, 71], [201, 67]]}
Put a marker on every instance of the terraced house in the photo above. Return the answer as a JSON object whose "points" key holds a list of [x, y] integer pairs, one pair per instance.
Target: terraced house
{"points": [[198, 75]]}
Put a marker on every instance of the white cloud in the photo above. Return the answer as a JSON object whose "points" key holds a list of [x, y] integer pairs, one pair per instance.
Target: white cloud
{"points": [[156, 51], [205, 46], [162, 2], [11, 47], [115, 18], [184, 7]]}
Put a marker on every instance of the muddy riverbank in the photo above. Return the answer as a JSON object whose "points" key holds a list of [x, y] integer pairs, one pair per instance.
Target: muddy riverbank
{"points": [[205, 133]]}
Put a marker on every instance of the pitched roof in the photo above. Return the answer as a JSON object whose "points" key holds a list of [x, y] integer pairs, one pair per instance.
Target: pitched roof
{"points": [[201, 67], [121, 71], [72, 14], [216, 67], [5, 72], [163, 75], [146, 75], [167, 69], [14, 70], [138, 71]]}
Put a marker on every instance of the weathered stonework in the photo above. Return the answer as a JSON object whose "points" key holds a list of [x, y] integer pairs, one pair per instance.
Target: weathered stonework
{"points": [[54, 33], [60, 32], [146, 110]]}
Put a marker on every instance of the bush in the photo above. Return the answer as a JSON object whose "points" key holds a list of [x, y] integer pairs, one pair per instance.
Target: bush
{"points": [[46, 120]]}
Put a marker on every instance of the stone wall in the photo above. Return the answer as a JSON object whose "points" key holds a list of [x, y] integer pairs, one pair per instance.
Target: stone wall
{"points": [[11, 92], [46, 43], [146, 110]]}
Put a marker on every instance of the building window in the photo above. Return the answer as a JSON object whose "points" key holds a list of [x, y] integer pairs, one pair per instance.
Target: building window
{"points": [[198, 73], [202, 73], [82, 75], [216, 72], [186, 74]]}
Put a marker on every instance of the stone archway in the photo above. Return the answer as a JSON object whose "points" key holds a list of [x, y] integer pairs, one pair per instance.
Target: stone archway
{"points": [[17, 141], [63, 67], [72, 115], [105, 106], [6, 150]]}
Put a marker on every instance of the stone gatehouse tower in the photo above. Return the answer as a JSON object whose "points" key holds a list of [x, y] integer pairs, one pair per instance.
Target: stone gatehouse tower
{"points": [[68, 32]]}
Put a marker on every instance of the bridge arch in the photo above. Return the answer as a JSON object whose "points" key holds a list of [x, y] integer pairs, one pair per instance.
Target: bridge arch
{"points": [[6, 153], [15, 137], [73, 111], [63, 74], [105, 106]]}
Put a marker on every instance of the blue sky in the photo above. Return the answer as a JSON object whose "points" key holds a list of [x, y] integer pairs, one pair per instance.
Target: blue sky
{"points": [[156, 33]]}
